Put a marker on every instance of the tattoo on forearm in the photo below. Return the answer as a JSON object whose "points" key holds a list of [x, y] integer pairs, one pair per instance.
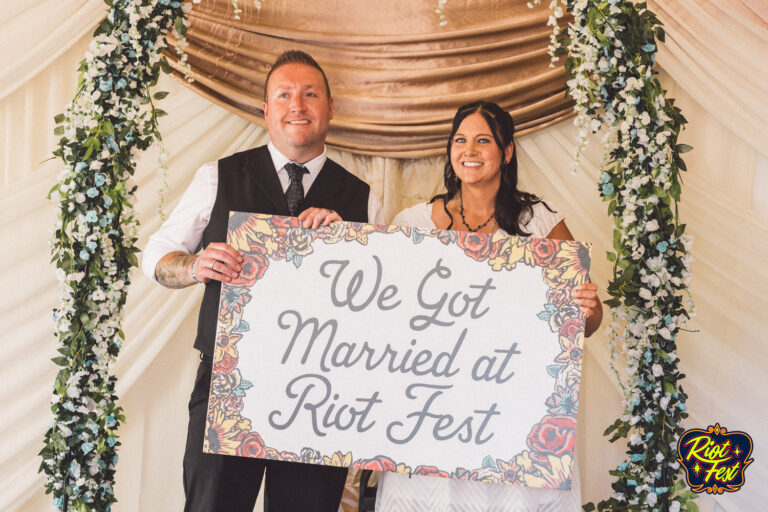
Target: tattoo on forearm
{"points": [[173, 270]]}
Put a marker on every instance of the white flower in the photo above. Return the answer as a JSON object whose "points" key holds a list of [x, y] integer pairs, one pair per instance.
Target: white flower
{"points": [[659, 457], [674, 507], [664, 402], [645, 293], [635, 438], [651, 225], [658, 371], [651, 499]]}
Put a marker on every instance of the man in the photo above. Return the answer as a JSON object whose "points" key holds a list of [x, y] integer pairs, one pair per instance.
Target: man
{"points": [[290, 176]]}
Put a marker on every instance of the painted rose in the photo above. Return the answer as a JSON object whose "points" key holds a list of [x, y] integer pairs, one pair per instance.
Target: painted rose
{"points": [[558, 296], [255, 264], [226, 364], [571, 328], [379, 463], [252, 446], [231, 404], [300, 240], [553, 435], [430, 471], [544, 251], [476, 245]]}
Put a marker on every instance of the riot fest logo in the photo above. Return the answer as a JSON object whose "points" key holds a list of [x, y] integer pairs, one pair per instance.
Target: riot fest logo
{"points": [[715, 459]]}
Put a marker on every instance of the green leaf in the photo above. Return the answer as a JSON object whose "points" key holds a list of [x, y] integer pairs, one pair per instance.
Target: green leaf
{"points": [[178, 24], [167, 69], [59, 119], [683, 148], [59, 130], [160, 113], [160, 95], [61, 361]]}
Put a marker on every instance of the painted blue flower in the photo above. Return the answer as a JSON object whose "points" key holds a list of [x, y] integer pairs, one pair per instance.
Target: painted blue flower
{"points": [[649, 47], [84, 255], [648, 356], [107, 201], [118, 343], [623, 466], [99, 179], [605, 178], [110, 421], [92, 245], [115, 459], [662, 246], [682, 406], [648, 435], [58, 503], [111, 441], [122, 83], [668, 319], [608, 189], [92, 192], [105, 85], [112, 145], [132, 54], [129, 138], [636, 457], [73, 467], [90, 216], [80, 166], [632, 483], [125, 37], [175, 5], [87, 447]]}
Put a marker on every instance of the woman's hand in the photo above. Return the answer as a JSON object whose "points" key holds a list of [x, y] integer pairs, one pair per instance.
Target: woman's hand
{"points": [[585, 295]]}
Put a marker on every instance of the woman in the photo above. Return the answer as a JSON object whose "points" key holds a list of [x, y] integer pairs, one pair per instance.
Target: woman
{"points": [[481, 181]]}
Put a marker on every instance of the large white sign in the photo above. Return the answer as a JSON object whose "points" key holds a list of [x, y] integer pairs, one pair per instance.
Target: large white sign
{"points": [[431, 352]]}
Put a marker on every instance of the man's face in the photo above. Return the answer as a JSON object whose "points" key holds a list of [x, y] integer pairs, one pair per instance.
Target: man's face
{"points": [[297, 111]]}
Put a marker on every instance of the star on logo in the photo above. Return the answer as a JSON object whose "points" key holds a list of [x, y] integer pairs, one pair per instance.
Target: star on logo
{"points": [[696, 469], [737, 451]]}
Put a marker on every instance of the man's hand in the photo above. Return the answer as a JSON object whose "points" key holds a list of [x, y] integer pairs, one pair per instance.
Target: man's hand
{"points": [[217, 262], [316, 217]]}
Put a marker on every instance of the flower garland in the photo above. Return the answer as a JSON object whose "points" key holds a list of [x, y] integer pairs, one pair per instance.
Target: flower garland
{"points": [[611, 52], [111, 115]]}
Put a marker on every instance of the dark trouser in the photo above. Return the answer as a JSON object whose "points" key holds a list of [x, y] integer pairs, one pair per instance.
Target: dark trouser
{"points": [[222, 483]]}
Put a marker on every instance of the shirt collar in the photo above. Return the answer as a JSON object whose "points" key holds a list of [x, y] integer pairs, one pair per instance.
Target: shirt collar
{"points": [[313, 166]]}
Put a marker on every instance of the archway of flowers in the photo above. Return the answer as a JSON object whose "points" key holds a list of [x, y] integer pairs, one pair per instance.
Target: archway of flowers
{"points": [[610, 49]]}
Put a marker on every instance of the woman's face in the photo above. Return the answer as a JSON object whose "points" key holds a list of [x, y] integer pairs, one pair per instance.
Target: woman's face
{"points": [[475, 157]]}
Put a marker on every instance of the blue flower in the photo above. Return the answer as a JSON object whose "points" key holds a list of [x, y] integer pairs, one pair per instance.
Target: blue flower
{"points": [[122, 83], [636, 457], [110, 421], [623, 466], [648, 356], [105, 85], [631, 482], [107, 201], [648, 435], [112, 145], [111, 441], [92, 192], [649, 47], [84, 255], [132, 54], [175, 5], [681, 406], [115, 459], [73, 466], [608, 189], [90, 216], [125, 37], [92, 245], [80, 166], [87, 447], [662, 246], [605, 178], [58, 503], [99, 179], [118, 343], [668, 319]]}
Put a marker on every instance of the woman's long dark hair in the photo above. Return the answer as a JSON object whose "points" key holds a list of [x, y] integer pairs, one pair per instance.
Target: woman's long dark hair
{"points": [[512, 208]]}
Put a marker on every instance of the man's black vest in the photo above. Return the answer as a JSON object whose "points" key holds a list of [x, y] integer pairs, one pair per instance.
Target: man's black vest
{"points": [[248, 183]]}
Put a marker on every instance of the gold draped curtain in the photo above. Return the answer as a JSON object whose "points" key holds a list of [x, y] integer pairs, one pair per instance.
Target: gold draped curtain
{"points": [[396, 75]]}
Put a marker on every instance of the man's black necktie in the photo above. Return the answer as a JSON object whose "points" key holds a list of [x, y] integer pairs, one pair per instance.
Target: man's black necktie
{"points": [[294, 195]]}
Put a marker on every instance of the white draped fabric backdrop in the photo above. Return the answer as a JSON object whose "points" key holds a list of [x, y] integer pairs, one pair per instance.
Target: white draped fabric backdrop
{"points": [[714, 62]]}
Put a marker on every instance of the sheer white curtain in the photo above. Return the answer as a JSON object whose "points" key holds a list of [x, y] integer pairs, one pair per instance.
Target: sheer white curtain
{"points": [[715, 66]]}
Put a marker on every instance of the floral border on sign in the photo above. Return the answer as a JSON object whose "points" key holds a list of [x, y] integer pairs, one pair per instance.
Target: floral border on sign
{"points": [[610, 49], [112, 115], [263, 239]]}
